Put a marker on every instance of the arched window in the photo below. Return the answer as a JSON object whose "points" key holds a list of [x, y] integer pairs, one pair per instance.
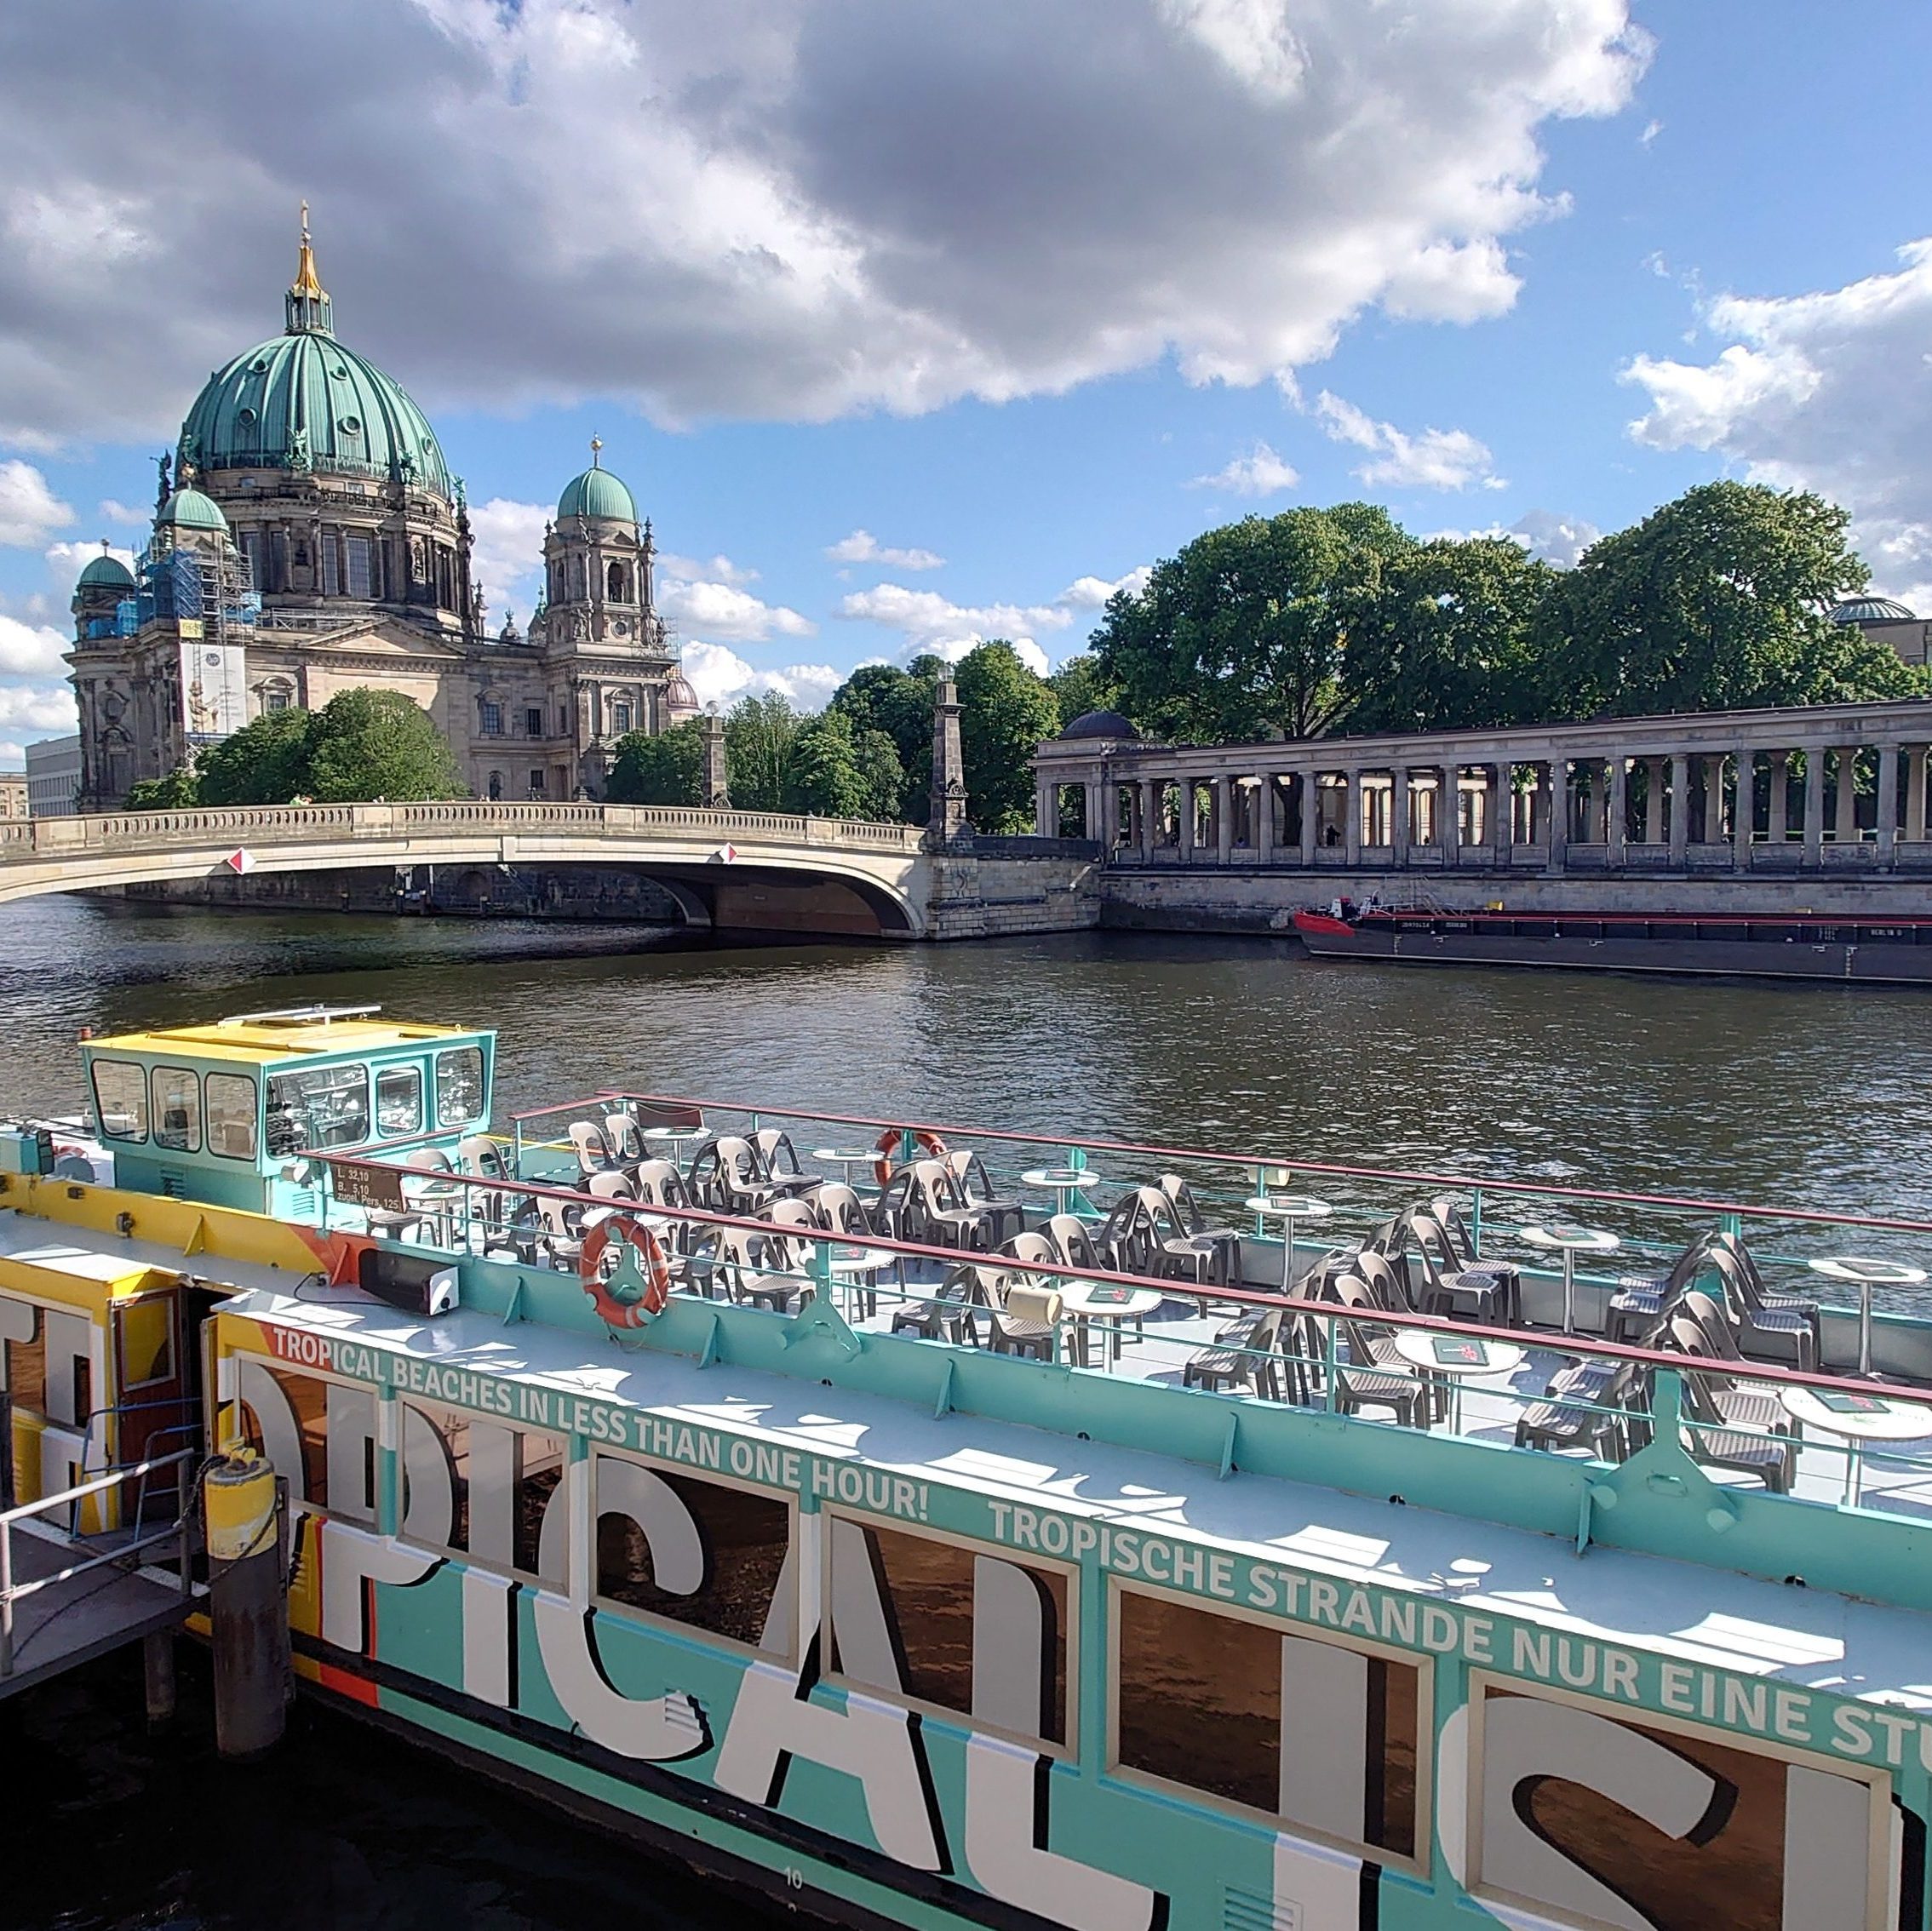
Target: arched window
{"points": [[491, 717], [578, 591], [620, 716], [616, 584], [276, 697]]}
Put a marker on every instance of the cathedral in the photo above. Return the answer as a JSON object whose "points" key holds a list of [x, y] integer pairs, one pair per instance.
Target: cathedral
{"points": [[309, 538]]}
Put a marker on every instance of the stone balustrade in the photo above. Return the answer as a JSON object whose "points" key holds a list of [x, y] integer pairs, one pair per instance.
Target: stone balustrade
{"points": [[1837, 788]]}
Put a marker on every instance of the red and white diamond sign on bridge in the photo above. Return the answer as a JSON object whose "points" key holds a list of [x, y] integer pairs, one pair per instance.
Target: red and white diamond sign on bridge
{"points": [[240, 861], [726, 854]]}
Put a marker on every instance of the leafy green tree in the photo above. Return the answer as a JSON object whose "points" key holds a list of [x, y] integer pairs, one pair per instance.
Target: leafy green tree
{"points": [[265, 762], [898, 702], [882, 777], [379, 744], [758, 735], [1243, 632], [1004, 710], [180, 791], [822, 773], [1715, 601], [666, 769], [1079, 687], [1446, 639]]}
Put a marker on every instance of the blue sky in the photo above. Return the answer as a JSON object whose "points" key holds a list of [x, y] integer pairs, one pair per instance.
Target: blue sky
{"points": [[1037, 295]]}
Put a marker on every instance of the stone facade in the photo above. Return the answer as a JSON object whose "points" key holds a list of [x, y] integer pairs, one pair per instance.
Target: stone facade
{"points": [[311, 540]]}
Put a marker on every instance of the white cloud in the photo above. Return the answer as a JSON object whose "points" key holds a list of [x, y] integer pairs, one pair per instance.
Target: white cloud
{"points": [[30, 512], [28, 713], [67, 560], [800, 214], [723, 610], [1552, 539], [112, 511], [1829, 391], [931, 622], [1437, 459], [509, 562], [1260, 473], [862, 547], [1094, 592], [29, 650], [720, 676], [673, 569]]}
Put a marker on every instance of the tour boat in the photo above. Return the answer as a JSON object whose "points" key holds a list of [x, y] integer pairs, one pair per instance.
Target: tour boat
{"points": [[1782, 945], [1334, 1546]]}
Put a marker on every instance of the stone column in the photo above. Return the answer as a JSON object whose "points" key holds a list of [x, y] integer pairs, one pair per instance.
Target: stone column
{"points": [[717, 788], [1089, 810], [1045, 808], [1264, 819], [1655, 820], [1309, 793], [1351, 815], [1398, 815], [1915, 792], [1148, 792], [1814, 803], [947, 816], [1680, 808], [1503, 811], [1844, 820], [1594, 830], [1224, 820], [1887, 802], [1559, 807], [1616, 827], [1183, 819], [1449, 811], [1744, 808], [1778, 823]]}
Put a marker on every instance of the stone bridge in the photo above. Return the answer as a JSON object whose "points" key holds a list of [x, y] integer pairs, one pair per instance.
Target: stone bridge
{"points": [[747, 871]]}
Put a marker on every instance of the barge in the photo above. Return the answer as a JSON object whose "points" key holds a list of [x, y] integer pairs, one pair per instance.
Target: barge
{"points": [[1785, 945], [938, 1525]]}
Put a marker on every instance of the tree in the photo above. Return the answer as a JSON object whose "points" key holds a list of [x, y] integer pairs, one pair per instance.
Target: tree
{"points": [[882, 776], [1448, 640], [758, 734], [379, 744], [265, 762], [1079, 687], [1715, 601], [666, 769], [177, 791], [883, 697], [1242, 632], [822, 775], [1004, 710]]}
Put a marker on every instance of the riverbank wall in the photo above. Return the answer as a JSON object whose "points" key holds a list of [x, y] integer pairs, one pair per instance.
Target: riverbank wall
{"points": [[610, 894]]}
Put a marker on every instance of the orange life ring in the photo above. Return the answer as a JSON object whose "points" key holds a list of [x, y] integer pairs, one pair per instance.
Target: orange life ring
{"points": [[887, 1146], [651, 1264]]}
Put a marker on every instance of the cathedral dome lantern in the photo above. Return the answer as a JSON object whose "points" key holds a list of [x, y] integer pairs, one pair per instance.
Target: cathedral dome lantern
{"points": [[105, 573], [597, 494], [306, 403]]}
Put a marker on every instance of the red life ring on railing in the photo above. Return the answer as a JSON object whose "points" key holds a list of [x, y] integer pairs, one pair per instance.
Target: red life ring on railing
{"points": [[651, 1264], [887, 1147]]}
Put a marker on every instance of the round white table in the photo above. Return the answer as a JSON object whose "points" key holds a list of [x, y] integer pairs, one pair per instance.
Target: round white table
{"points": [[1458, 1356], [1858, 1419], [674, 1136], [1288, 1208], [1571, 1241], [1865, 1274], [858, 1267], [1098, 1302], [1065, 1182], [847, 1157]]}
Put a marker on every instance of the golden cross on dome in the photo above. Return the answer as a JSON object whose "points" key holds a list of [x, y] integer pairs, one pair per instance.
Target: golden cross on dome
{"points": [[306, 281], [596, 449]]}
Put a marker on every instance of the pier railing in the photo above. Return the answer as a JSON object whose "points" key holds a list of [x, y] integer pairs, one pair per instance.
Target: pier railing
{"points": [[124, 1549]]}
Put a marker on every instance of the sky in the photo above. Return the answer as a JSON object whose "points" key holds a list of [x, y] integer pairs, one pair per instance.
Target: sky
{"points": [[912, 325]]}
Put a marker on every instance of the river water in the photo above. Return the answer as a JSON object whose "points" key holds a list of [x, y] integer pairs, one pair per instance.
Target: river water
{"points": [[1806, 1095]]}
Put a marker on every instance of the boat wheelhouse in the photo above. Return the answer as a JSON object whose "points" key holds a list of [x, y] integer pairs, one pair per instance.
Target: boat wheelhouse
{"points": [[927, 1575]]}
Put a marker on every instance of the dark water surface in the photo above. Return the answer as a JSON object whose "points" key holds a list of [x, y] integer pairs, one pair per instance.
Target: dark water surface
{"points": [[1807, 1095]]}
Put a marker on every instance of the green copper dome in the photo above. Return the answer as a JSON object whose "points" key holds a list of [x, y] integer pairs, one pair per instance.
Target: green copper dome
{"points": [[188, 509], [597, 492], [108, 573], [303, 402]]}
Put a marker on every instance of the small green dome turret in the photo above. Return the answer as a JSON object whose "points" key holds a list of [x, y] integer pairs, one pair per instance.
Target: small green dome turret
{"points": [[106, 572], [596, 493], [189, 509]]}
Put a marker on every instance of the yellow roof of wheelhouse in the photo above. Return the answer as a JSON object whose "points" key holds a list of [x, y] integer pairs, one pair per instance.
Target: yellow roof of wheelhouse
{"points": [[260, 1037]]}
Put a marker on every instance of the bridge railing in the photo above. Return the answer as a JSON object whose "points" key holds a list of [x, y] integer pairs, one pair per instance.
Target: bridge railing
{"points": [[299, 823]]}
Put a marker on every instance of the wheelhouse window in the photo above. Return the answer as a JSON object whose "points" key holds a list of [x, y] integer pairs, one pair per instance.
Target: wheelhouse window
{"points": [[1322, 1735], [459, 1086], [230, 1100], [177, 1109], [706, 1553], [399, 1101], [120, 1099], [944, 1623], [318, 1106]]}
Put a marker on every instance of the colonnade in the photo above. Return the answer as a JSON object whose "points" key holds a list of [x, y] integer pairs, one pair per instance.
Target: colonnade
{"points": [[1826, 788]]}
